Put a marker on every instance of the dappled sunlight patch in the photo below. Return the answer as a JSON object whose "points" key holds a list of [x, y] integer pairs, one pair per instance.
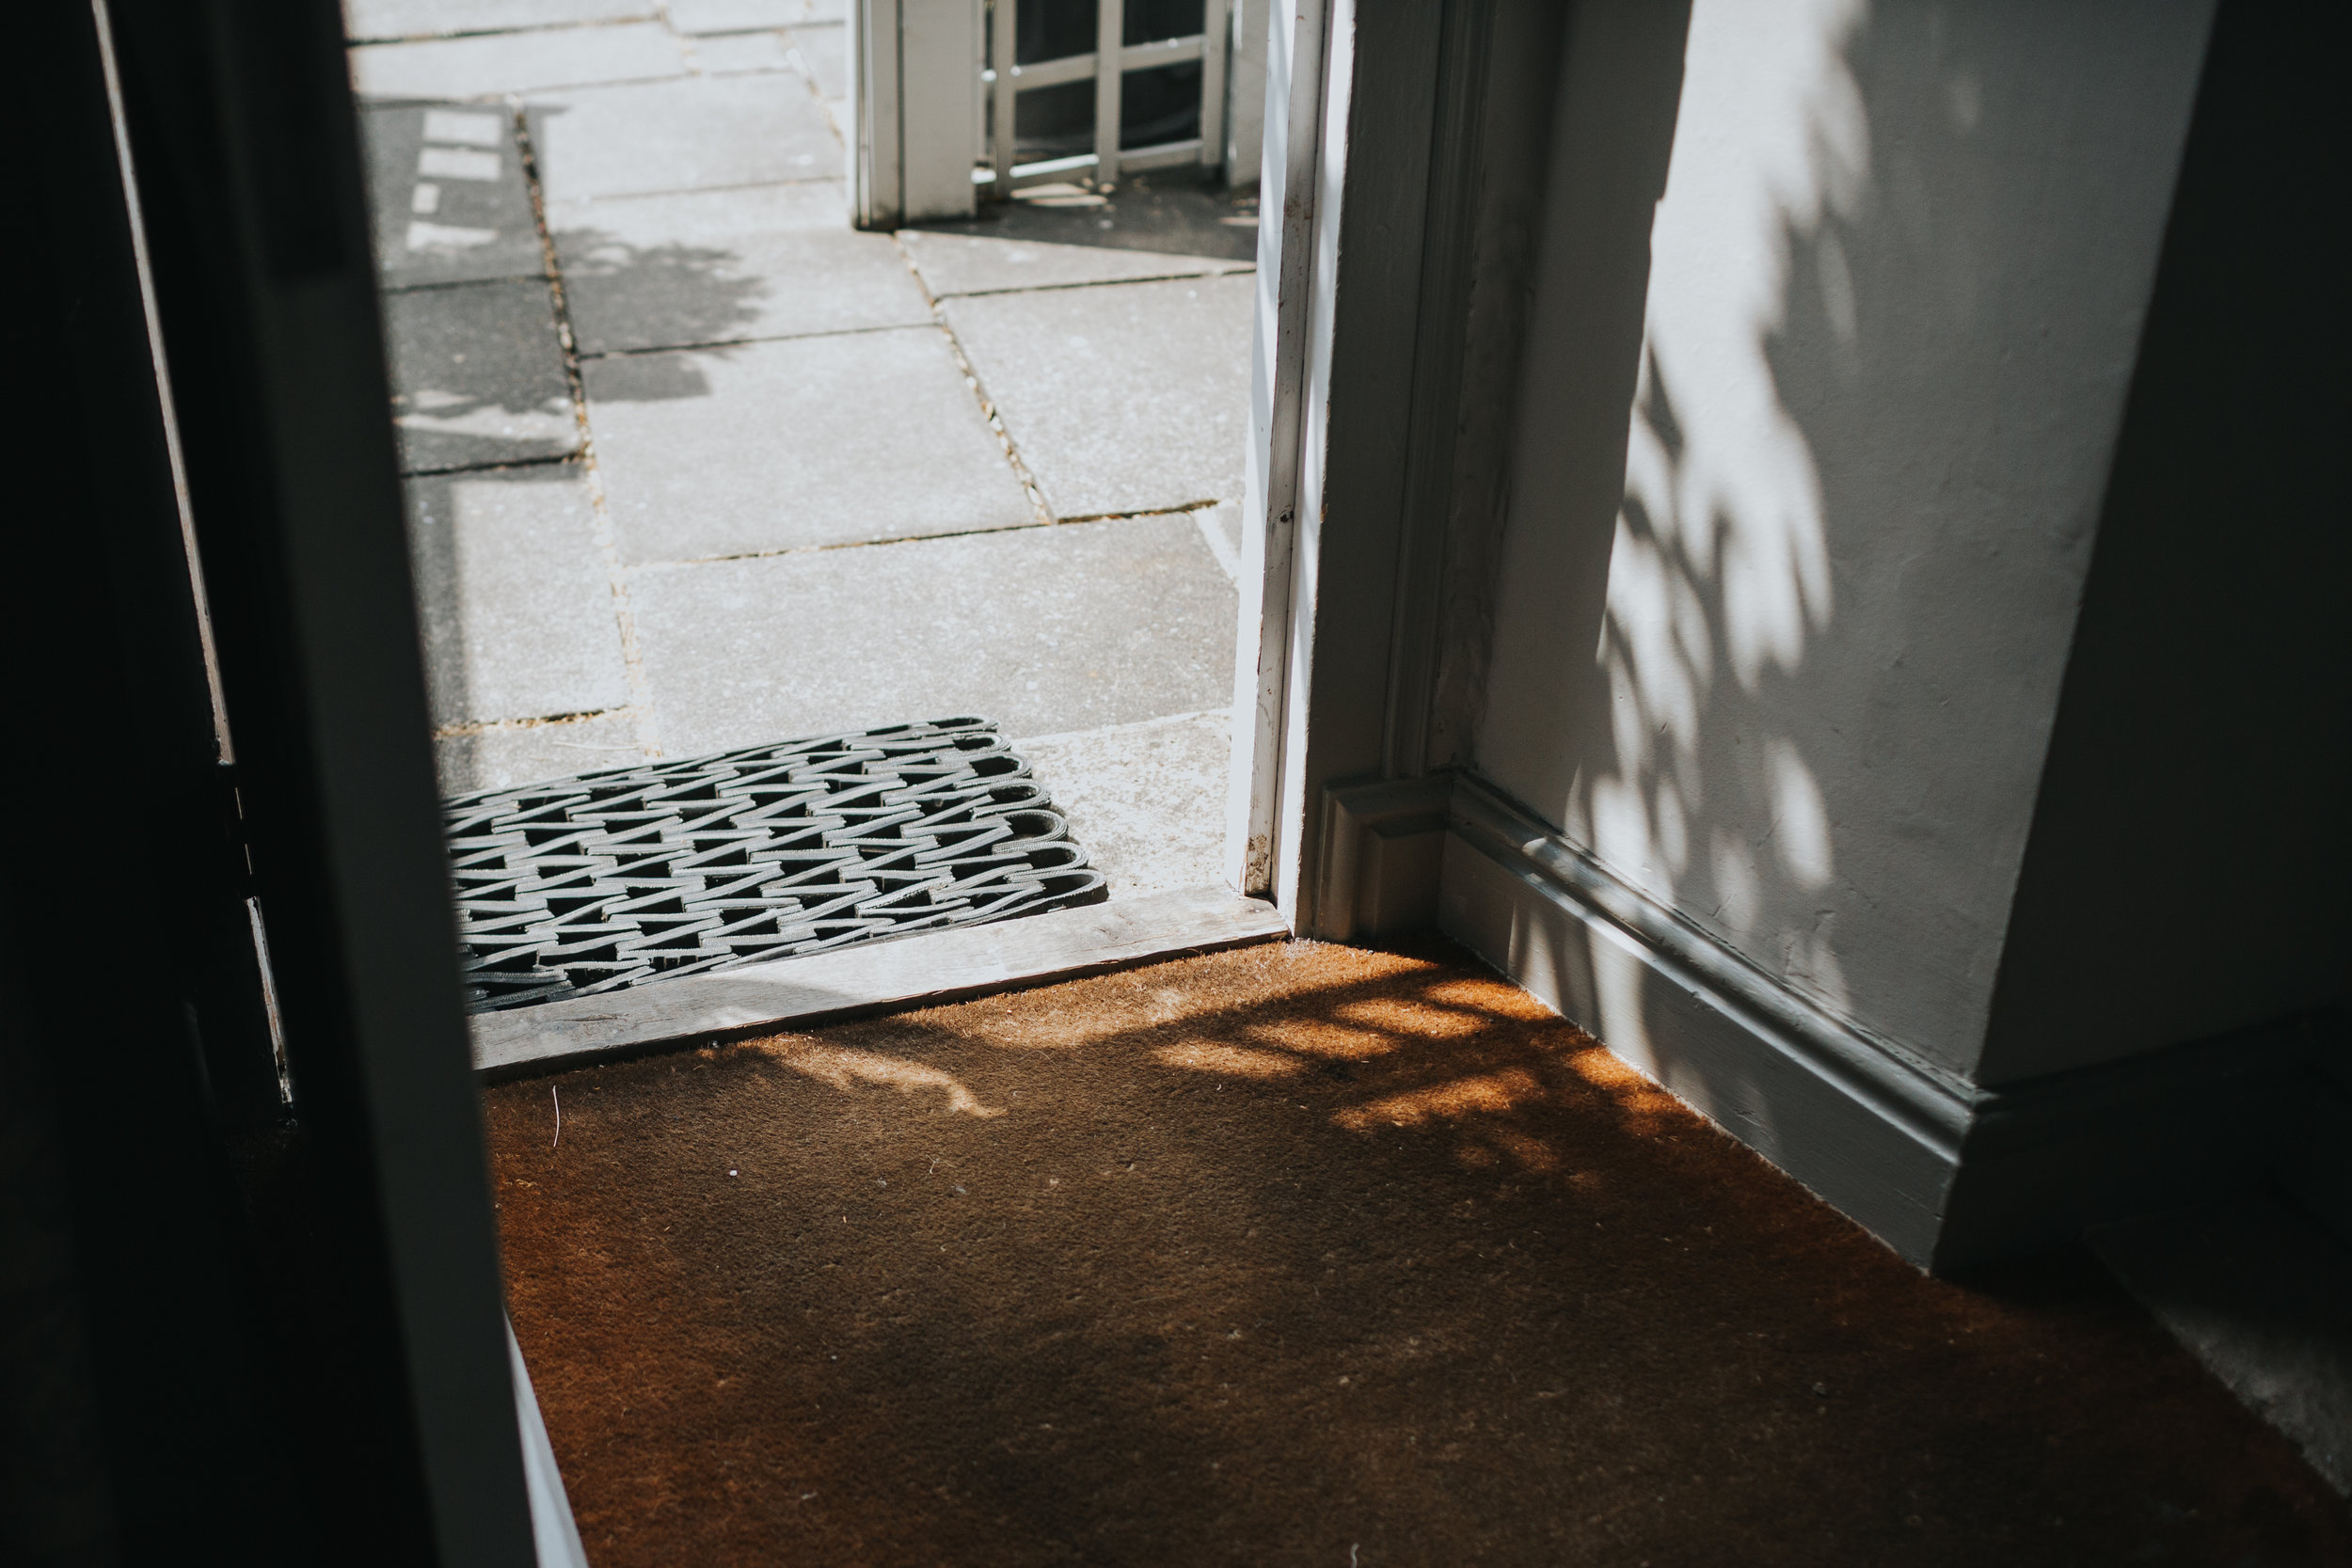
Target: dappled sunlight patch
{"points": [[1487, 1094], [1232, 1061], [1493, 998], [1533, 1154], [1624, 1083], [1331, 1042], [1417, 1015], [1644, 1109], [1474, 1109], [848, 1071]]}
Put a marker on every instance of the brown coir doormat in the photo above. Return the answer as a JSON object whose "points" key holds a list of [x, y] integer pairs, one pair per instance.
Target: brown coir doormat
{"points": [[1302, 1255]]}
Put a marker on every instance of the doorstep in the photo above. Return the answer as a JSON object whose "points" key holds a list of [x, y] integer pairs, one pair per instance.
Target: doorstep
{"points": [[917, 971]]}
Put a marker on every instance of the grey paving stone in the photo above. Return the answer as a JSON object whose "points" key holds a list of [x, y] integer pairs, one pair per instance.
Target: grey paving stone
{"points": [[515, 62], [366, 20], [477, 375], [723, 266], [959, 263], [448, 196], [691, 134], [743, 16], [738, 53], [501, 758], [1154, 225], [825, 48], [808, 441], [1121, 398], [1147, 800], [516, 603], [1046, 630]]}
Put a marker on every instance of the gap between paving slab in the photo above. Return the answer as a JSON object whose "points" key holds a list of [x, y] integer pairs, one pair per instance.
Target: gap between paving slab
{"points": [[1046, 630], [494, 65], [696, 133], [452, 203], [955, 264], [743, 16], [696, 269], [881, 438], [498, 756], [477, 375], [1103, 437], [367, 22]]}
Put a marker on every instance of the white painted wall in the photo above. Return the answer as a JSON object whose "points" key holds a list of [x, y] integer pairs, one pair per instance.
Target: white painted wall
{"points": [[1780, 637]]}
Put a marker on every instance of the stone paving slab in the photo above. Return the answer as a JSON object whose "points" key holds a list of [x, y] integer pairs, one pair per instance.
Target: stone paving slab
{"points": [[516, 601], [783, 445], [738, 53], [368, 20], [825, 50], [1044, 629], [1162, 212], [743, 16], [526, 753], [449, 200], [724, 267], [693, 135], [501, 63], [477, 375], [972, 263], [1147, 799], [1120, 398]]}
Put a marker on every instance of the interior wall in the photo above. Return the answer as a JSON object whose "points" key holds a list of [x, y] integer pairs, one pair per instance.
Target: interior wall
{"points": [[1810, 456], [2186, 872]]}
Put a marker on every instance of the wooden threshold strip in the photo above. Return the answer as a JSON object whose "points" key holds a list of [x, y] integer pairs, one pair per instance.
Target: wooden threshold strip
{"points": [[911, 972]]}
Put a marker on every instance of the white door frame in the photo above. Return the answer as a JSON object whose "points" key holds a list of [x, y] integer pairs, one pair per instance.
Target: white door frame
{"points": [[911, 153], [924, 105], [1355, 397], [1355, 359]]}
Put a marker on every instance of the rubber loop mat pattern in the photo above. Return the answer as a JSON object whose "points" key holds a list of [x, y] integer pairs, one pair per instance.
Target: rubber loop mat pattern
{"points": [[589, 884]]}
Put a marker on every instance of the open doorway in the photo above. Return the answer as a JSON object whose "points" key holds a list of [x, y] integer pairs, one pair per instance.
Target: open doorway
{"points": [[695, 468]]}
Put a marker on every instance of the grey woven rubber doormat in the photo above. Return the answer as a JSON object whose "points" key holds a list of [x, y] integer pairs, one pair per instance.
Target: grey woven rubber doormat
{"points": [[589, 884]]}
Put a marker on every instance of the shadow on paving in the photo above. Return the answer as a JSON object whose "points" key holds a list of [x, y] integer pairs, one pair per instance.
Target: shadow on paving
{"points": [[1177, 216], [672, 296], [1300, 1254]]}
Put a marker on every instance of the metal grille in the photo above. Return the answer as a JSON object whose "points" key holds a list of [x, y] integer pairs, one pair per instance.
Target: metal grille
{"points": [[592, 884]]}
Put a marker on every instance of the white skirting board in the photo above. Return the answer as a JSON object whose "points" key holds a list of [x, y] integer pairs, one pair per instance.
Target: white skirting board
{"points": [[917, 971], [1946, 1172], [1875, 1135]]}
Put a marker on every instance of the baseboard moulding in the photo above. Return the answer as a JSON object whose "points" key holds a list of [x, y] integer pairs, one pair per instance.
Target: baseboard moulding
{"points": [[1873, 1132], [1946, 1172], [909, 972]]}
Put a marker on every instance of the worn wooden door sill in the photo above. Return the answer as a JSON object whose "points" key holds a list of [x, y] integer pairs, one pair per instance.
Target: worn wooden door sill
{"points": [[919, 971]]}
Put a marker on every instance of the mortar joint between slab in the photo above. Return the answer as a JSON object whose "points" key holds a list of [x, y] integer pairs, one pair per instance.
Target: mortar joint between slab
{"points": [[1237, 270], [582, 25], [539, 721], [808, 78], [640, 707], [1029, 486]]}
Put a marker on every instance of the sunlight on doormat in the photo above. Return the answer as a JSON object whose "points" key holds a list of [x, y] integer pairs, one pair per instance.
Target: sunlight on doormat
{"points": [[588, 884]]}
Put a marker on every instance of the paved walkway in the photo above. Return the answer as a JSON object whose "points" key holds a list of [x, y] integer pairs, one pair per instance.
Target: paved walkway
{"points": [[694, 464]]}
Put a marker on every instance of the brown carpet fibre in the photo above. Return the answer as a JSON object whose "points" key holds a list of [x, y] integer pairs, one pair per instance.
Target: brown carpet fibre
{"points": [[1301, 1254]]}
